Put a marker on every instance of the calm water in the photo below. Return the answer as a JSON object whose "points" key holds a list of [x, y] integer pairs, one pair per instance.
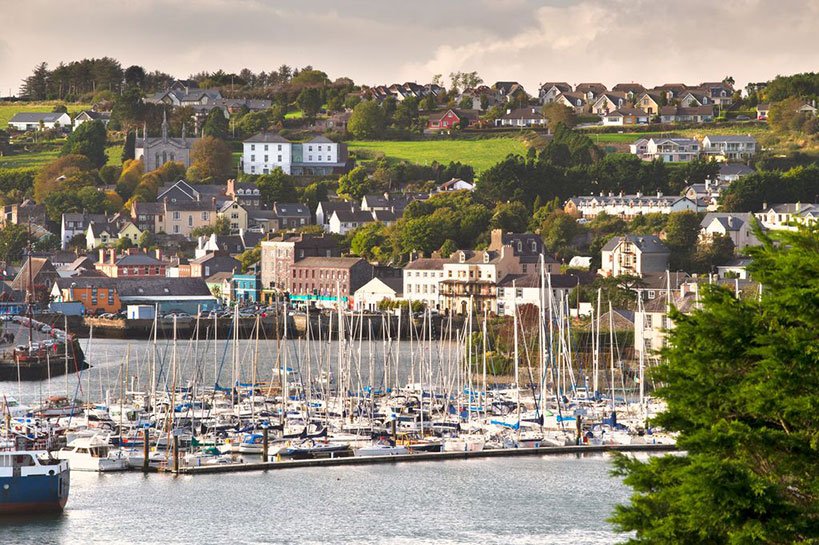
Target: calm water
{"points": [[546, 500], [202, 361]]}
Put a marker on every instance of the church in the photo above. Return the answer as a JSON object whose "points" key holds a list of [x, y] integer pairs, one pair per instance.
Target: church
{"points": [[155, 152]]}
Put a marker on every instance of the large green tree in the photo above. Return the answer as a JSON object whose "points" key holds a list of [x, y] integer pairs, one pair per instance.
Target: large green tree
{"points": [[740, 378], [216, 124], [367, 120], [89, 140], [276, 187]]}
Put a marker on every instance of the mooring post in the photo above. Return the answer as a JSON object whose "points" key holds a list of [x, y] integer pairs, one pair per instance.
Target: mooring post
{"points": [[176, 454], [264, 445], [146, 450]]}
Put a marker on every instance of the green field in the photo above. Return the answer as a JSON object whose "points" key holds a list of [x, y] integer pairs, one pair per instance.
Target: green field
{"points": [[28, 160], [8, 109], [481, 154]]}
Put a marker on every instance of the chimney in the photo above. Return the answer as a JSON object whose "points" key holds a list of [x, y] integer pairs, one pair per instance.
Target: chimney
{"points": [[508, 111], [659, 194], [213, 202], [133, 251], [639, 194], [102, 256], [112, 256], [496, 239], [158, 253]]}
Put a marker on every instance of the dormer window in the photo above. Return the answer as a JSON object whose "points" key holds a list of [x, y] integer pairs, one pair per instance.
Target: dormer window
{"points": [[461, 257], [486, 257]]}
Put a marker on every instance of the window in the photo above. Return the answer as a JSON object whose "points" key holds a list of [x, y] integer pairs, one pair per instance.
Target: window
{"points": [[252, 147], [205, 216], [176, 229], [253, 158], [280, 157], [265, 147], [190, 221], [280, 148], [176, 215], [265, 158]]}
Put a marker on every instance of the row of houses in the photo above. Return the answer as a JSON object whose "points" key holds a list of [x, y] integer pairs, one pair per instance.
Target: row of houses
{"points": [[37, 121]]}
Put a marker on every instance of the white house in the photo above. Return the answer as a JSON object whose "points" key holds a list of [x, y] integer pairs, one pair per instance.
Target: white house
{"points": [[371, 294], [91, 115], [522, 117], [455, 184], [625, 116], [265, 152], [516, 290], [780, 216], [346, 219], [670, 150], [421, 280], [735, 225], [729, 147], [35, 121]]}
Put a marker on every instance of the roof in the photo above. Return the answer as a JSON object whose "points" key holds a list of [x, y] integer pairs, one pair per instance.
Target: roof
{"points": [[320, 140], [622, 112], [36, 117], [427, 264], [213, 257], [139, 259], [148, 208], [650, 244], [39, 265], [329, 262], [659, 303], [734, 169], [724, 138], [141, 287], [731, 221], [558, 281], [289, 209], [219, 277], [395, 283], [267, 138], [345, 215], [524, 113]]}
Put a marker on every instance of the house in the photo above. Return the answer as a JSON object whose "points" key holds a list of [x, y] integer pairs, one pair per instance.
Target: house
{"points": [[807, 108], [787, 215], [694, 114], [37, 121], [628, 206], [608, 102], [74, 223], [189, 295], [590, 90], [577, 101], [471, 278], [36, 276], [421, 277], [23, 213], [210, 264], [762, 110], [246, 288], [451, 119], [328, 281], [325, 209], [510, 91], [694, 98], [91, 115], [735, 225], [706, 193], [650, 103], [670, 91], [651, 322], [729, 147], [156, 151], [219, 285], [347, 219], [549, 91], [522, 117], [265, 152], [291, 215], [228, 244], [235, 213], [99, 234], [455, 184], [736, 268], [527, 248], [479, 98], [176, 218], [720, 92], [624, 117], [279, 254], [133, 263], [634, 255], [670, 150], [369, 296], [185, 95]]}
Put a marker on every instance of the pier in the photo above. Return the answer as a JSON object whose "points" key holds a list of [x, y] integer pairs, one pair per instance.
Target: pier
{"points": [[421, 457]]}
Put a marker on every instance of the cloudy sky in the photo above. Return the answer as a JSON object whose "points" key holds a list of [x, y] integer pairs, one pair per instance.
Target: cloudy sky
{"points": [[388, 41]]}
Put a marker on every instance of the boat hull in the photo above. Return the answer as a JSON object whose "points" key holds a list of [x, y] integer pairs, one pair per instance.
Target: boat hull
{"points": [[34, 494], [41, 368]]}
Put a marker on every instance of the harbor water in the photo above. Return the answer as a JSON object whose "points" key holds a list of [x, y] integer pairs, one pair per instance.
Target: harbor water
{"points": [[529, 500]]}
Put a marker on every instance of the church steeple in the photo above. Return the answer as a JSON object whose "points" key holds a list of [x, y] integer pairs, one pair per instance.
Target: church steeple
{"points": [[164, 126]]}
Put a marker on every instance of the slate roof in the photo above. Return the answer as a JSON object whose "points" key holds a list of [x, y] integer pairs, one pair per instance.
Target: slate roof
{"points": [[267, 138], [291, 210], [427, 264], [328, 262], [734, 169], [650, 244], [36, 117], [142, 287]]}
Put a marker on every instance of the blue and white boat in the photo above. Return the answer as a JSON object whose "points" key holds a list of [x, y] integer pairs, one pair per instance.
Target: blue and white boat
{"points": [[32, 482]]}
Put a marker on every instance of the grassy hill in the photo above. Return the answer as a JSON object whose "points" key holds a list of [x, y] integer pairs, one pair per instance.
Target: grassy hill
{"points": [[481, 154], [8, 109]]}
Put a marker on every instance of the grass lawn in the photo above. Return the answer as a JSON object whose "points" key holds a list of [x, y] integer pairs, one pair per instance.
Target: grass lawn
{"points": [[8, 109], [297, 114], [114, 154], [27, 160], [481, 154]]}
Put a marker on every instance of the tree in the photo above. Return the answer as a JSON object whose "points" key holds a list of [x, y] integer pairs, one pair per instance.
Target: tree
{"points": [[355, 184], [68, 171], [739, 378], [146, 239], [557, 230], [129, 148], [88, 140], [13, 240], [366, 241], [367, 120], [211, 158], [276, 187], [557, 113], [216, 124], [250, 257], [309, 102], [123, 243], [220, 227], [510, 217]]}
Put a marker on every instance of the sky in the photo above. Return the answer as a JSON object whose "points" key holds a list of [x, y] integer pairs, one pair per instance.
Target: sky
{"points": [[386, 41]]}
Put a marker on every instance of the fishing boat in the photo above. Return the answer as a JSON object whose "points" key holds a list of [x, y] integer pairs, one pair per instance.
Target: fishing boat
{"points": [[381, 449], [32, 482], [312, 449]]}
